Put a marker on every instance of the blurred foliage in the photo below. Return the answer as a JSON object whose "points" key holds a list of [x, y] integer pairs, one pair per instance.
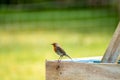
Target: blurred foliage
{"points": [[37, 5], [55, 19]]}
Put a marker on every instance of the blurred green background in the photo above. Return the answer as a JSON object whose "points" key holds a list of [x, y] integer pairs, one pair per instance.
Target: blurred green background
{"points": [[28, 27]]}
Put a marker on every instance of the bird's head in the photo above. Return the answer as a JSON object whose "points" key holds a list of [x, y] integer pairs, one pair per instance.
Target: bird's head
{"points": [[54, 44]]}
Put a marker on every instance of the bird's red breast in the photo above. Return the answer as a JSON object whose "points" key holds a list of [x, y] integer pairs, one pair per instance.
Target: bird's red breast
{"points": [[55, 49]]}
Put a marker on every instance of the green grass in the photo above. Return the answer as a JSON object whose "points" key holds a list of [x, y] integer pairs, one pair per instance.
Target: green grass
{"points": [[25, 39]]}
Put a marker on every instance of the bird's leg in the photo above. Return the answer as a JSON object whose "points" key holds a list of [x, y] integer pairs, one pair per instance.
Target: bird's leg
{"points": [[59, 59]]}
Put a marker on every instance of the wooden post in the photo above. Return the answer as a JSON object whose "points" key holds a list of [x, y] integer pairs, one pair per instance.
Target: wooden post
{"points": [[113, 51], [81, 71]]}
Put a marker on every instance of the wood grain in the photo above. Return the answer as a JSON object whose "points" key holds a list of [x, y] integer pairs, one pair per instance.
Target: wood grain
{"points": [[81, 71], [113, 51]]}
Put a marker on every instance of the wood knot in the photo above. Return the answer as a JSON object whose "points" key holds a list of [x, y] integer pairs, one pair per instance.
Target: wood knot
{"points": [[57, 67]]}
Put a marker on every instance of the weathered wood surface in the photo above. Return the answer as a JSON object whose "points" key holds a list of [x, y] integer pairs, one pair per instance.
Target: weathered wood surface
{"points": [[113, 51], [81, 71]]}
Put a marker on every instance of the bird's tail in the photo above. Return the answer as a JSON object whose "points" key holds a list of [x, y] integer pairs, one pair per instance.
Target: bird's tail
{"points": [[68, 56]]}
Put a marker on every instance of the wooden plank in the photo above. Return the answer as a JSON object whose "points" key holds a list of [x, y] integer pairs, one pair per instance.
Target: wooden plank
{"points": [[81, 71], [113, 51]]}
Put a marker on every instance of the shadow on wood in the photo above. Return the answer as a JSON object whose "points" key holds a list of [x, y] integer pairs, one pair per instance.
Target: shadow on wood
{"points": [[81, 71]]}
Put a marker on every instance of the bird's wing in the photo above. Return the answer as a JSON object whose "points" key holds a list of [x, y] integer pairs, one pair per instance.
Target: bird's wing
{"points": [[61, 50]]}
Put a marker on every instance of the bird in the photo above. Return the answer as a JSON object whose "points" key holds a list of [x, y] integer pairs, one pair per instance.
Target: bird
{"points": [[60, 51]]}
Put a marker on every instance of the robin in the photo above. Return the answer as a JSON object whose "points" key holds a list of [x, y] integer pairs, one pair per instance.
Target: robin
{"points": [[60, 51]]}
